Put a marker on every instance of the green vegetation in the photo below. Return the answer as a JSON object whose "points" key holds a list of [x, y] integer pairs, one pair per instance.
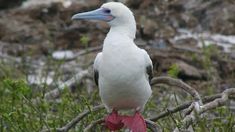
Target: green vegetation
{"points": [[84, 40], [20, 113], [173, 71], [23, 111]]}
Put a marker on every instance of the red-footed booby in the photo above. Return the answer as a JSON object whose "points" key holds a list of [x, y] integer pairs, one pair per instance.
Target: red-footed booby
{"points": [[122, 71]]}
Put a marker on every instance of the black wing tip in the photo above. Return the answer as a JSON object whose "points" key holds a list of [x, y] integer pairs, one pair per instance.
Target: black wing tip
{"points": [[149, 70], [96, 77]]}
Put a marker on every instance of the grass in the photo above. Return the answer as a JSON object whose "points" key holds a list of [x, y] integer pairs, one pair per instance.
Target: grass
{"points": [[20, 113]]}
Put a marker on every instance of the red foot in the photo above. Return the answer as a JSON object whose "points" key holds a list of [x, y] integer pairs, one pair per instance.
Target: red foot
{"points": [[113, 121], [135, 123]]}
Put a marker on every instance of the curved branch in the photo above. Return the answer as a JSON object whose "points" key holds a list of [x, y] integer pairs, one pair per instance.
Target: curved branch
{"points": [[178, 83]]}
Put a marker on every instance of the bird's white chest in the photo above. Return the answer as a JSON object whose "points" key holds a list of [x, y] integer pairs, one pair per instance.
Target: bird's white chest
{"points": [[122, 64], [122, 80]]}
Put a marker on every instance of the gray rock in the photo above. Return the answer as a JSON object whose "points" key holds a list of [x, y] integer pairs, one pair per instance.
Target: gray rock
{"points": [[188, 71]]}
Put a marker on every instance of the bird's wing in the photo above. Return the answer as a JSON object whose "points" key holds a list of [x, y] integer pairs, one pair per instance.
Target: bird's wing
{"points": [[96, 68], [148, 65]]}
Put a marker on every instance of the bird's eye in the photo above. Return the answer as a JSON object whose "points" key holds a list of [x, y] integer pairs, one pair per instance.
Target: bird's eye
{"points": [[107, 11]]}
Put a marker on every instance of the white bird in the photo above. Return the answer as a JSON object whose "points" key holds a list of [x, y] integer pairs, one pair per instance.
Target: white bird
{"points": [[122, 70]]}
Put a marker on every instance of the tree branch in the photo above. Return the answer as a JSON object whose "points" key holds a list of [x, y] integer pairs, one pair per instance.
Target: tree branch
{"points": [[178, 83], [93, 124], [152, 126], [182, 107], [192, 117]]}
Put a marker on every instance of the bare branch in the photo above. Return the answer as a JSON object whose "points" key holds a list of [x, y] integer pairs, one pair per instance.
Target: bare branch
{"points": [[192, 117], [93, 124], [153, 126], [178, 83], [170, 111], [218, 102], [184, 106], [188, 110]]}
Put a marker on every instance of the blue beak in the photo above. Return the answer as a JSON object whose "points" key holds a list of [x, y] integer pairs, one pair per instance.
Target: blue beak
{"points": [[98, 14]]}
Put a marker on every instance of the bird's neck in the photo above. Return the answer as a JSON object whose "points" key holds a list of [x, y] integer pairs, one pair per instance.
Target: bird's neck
{"points": [[127, 29]]}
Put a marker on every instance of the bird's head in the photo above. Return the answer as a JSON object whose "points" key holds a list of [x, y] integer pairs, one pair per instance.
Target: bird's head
{"points": [[114, 13]]}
